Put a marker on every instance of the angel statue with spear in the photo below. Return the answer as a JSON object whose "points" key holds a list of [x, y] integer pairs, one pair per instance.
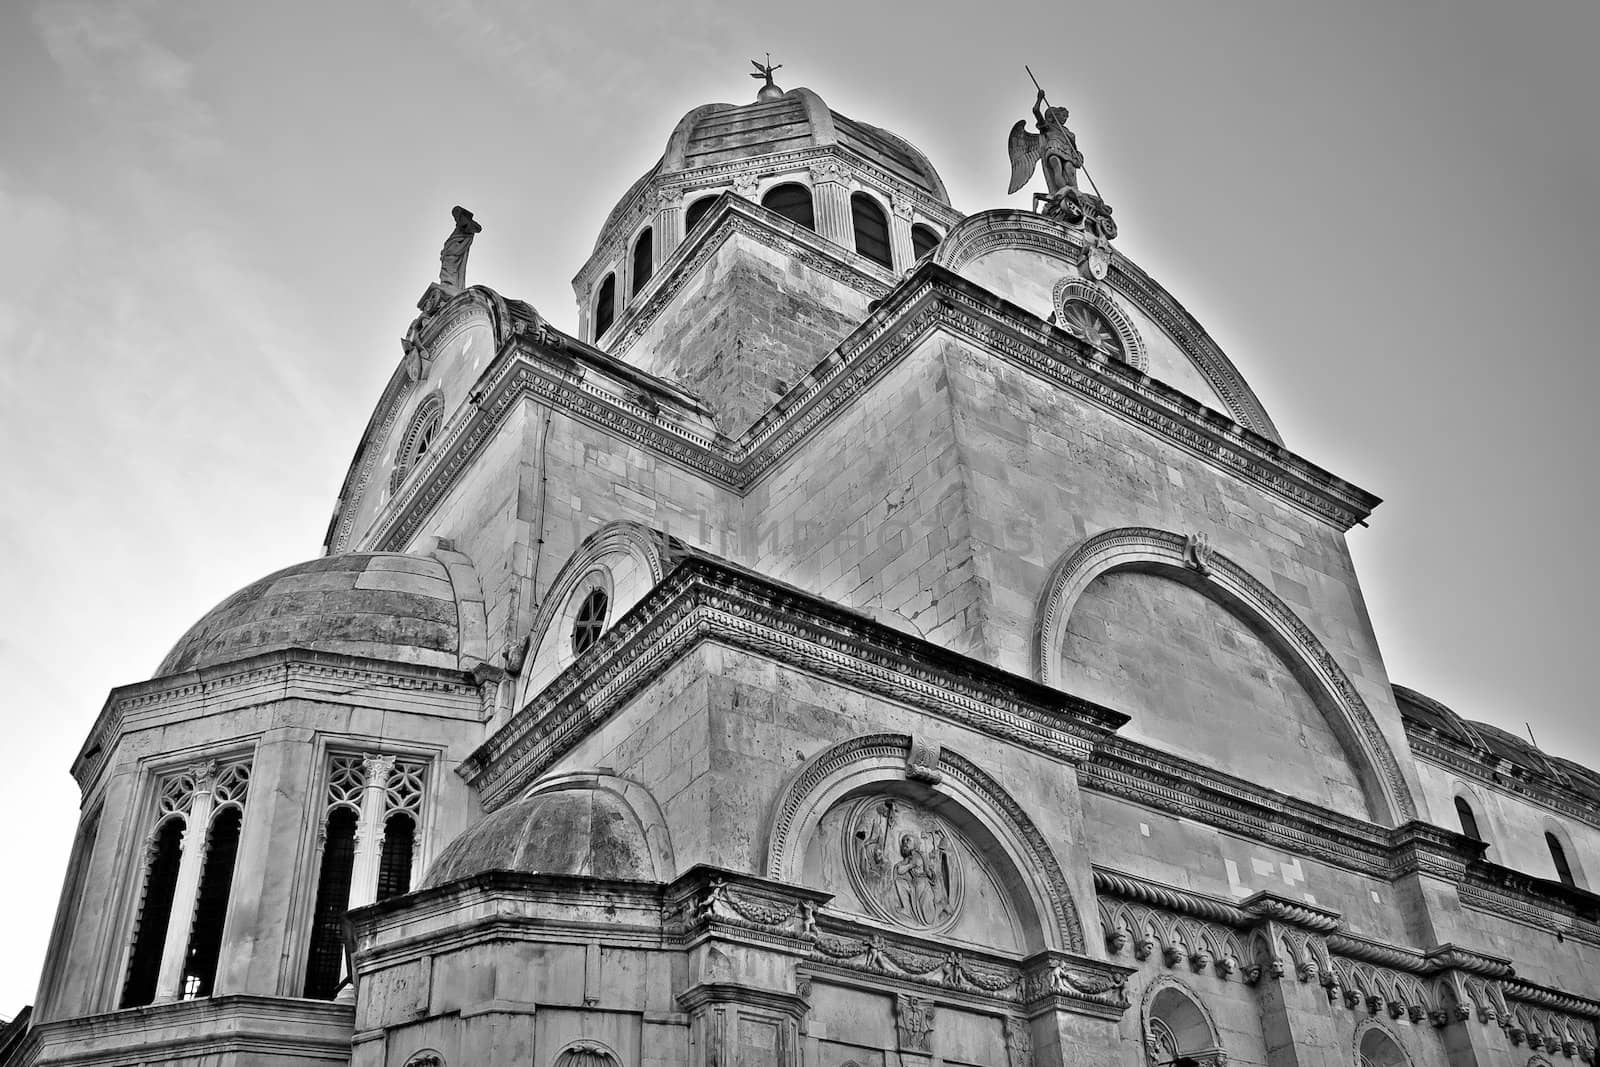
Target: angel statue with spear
{"points": [[1054, 146]]}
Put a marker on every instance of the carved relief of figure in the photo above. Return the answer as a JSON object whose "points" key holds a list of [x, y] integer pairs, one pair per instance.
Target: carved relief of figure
{"points": [[453, 257], [914, 1020], [903, 863]]}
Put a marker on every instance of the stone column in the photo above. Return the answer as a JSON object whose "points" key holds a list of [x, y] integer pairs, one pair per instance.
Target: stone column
{"points": [[169, 984], [669, 223], [900, 235], [830, 201], [369, 831]]}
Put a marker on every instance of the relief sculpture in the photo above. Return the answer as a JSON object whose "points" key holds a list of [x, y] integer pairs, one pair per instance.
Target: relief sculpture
{"points": [[903, 863]]}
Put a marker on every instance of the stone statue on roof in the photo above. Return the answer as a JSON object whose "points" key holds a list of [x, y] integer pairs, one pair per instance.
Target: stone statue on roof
{"points": [[453, 257], [1054, 146]]}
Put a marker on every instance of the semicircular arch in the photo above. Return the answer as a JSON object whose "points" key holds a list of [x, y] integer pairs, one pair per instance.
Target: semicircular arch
{"points": [[860, 764], [1220, 578]]}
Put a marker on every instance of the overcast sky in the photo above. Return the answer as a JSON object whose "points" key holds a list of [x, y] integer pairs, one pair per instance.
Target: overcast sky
{"points": [[217, 218]]}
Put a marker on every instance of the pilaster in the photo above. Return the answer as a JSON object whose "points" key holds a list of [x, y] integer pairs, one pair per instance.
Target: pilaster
{"points": [[900, 235], [830, 199], [669, 223]]}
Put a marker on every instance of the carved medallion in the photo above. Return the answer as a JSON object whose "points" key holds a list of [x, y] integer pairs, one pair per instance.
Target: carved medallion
{"points": [[903, 863]]}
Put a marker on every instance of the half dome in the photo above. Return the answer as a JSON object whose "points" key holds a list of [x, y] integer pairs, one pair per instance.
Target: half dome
{"points": [[383, 605], [582, 830]]}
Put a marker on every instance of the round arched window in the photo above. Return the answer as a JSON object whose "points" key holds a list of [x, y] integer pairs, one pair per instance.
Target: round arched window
{"points": [[591, 620], [1087, 322]]}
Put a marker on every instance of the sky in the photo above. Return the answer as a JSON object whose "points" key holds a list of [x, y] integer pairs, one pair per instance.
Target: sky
{"points": [[217, 219]]}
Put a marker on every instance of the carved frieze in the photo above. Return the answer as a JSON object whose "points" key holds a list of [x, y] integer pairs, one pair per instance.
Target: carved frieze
{"points": [[913, 1021]]}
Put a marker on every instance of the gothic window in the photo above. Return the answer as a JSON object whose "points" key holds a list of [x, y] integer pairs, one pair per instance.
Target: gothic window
{"points": [[643, 260], [176, 955], [697, 211], [155, 909], [590, 622], [1559, 856], [605, 306], [1177, 1031], [1469, 821], [793, 201], [1378, 1049], [872, 229], [1085, 320], [371, 811], [924, 239]]}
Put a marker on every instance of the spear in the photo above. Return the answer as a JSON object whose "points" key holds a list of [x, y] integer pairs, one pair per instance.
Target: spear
{"points": [[1085, 170]]}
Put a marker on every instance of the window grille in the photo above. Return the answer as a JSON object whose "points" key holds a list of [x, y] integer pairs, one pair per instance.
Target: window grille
{"points": [[643, 261], [793, 201], [399, 845], [872, 229]]}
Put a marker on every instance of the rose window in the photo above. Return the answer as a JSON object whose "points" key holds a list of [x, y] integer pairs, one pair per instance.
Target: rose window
{"points": [[1087, 322]]}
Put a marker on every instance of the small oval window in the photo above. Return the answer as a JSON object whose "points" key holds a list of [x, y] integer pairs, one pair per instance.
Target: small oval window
{"points": [[590, 622]]}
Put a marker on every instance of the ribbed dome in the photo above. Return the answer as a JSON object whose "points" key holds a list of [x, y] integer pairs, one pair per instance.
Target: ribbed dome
{"points": [[581, 830], [796, 120], [383, 605]]}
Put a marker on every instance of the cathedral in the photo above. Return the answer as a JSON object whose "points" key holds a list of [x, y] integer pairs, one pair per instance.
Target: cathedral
{"points": [[878, 636]]}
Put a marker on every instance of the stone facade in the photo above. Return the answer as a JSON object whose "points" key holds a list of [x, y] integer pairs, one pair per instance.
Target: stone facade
{"points": [[834, 654]]}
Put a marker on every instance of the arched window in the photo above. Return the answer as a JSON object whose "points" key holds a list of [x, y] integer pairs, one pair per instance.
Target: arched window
{"points": [[644, 260], [872, 229], [1559, 855], [155, 910], [1177, 1029], [419, 439], [697, 211], [793, 201], [1469, 821], [211, 904], [924, 239], [605, 306], [325, 965], [591, 621]]}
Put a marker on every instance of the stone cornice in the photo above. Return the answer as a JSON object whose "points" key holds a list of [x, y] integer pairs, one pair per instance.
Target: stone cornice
{"points": [[707, 600], [281, 674], [551, 369], [210, 1028]]}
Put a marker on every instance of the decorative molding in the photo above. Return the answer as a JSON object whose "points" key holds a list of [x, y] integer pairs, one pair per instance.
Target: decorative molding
{"points": [[706, 600], [1146, 548]]}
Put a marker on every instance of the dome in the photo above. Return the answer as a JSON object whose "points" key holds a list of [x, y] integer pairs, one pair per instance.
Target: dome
{"points": [[383, 605], [583, 830], [716, 134]]}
